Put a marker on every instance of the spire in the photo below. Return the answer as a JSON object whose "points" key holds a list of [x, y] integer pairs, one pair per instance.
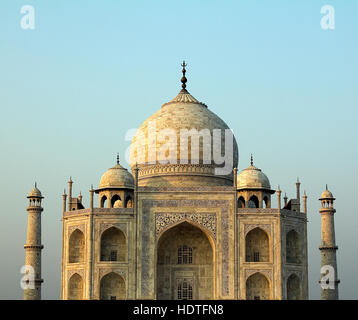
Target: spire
{"points": [[252, 160], [326, 187], [183, 79]]}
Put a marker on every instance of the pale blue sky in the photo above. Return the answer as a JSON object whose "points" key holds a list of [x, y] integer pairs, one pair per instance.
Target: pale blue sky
{"points": [[91, 70]]}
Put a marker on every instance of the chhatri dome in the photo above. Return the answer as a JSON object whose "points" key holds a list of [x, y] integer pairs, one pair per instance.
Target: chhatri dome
{"points": [[164, 168], [326, 194], [116, 177], [252, 178], [35, 192]]}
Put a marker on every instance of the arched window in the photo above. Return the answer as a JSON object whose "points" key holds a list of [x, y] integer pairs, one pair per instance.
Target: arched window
{"points": [[293, 287], [257, 246], [129, 202], [253, 202], [185, 255], [266, 202], [75, 287], [76, 247], [113, 245], [257, 287], [103, 202], [112, 287], [116, 201], [293, 247], [185, 289], [241, 202]]}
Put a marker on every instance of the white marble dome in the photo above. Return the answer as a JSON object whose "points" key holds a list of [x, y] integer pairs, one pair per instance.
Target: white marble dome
{"points": [[182, 112], [35, 193], [252, 178], [117, 177]]}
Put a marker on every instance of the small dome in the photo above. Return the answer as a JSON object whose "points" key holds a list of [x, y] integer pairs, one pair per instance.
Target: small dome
{"points": [[326, 194], [252, 178], [117, 177], [35, 193]]}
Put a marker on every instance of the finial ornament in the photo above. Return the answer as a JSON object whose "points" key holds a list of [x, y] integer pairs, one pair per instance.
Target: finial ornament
{"points": [[326, 187], [35, 184], [252, 160], [117, 157], [184, 79]]}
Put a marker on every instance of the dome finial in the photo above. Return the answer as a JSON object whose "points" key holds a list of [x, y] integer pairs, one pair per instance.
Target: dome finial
{"points": [[252, 160], [184, 79], [117, 157]]}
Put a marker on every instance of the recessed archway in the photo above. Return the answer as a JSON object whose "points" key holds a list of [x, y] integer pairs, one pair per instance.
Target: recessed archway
{"points": [[113, 245], [257, 246], [75, 287], [293, 287], [76, 247], [112, 287], [185, 264], [257, 287], [293, 247]]}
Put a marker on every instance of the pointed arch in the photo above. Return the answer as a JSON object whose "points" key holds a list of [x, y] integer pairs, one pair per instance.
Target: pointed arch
{"points": [[75, 287], [116, 201], [103, 201], [129, 202], [257, 246], [112, 287], [258, 287], [253, 202], [241, 202], [293, 247], [266, 202], [76, 247], [113, 245], [294, 287], [185, 263]]}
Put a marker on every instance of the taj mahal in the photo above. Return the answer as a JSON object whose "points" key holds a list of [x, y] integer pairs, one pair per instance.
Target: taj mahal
{"points": [[170, 229]]}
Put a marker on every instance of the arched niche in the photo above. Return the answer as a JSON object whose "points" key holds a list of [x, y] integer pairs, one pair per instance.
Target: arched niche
{"points": [[185, 264], [75, 287], [112, 287], [257, 246], [113, 245], [257, 287], [76, 247]]}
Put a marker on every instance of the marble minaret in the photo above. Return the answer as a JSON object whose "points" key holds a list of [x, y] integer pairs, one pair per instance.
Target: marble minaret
{"points": [[33, 247], [328, 248]]}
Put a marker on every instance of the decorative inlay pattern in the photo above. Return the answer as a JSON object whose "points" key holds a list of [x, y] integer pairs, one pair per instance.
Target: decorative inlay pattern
{"points": [[249, 227], [298, 229], [80, 227], [266, 272], [165, 220], [71, 272], [121, 226], [145, 252], [104, 271]]}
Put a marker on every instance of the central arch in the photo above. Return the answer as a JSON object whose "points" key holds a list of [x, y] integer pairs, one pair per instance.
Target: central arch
{"points": [[185, 264]]}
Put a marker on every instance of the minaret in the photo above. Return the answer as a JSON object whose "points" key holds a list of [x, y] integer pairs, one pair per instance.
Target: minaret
{"points": [[33, 247], [328, 248]]}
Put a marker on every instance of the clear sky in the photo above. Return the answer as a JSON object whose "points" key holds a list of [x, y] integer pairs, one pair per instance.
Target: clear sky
{"points": [[91, 70]]}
